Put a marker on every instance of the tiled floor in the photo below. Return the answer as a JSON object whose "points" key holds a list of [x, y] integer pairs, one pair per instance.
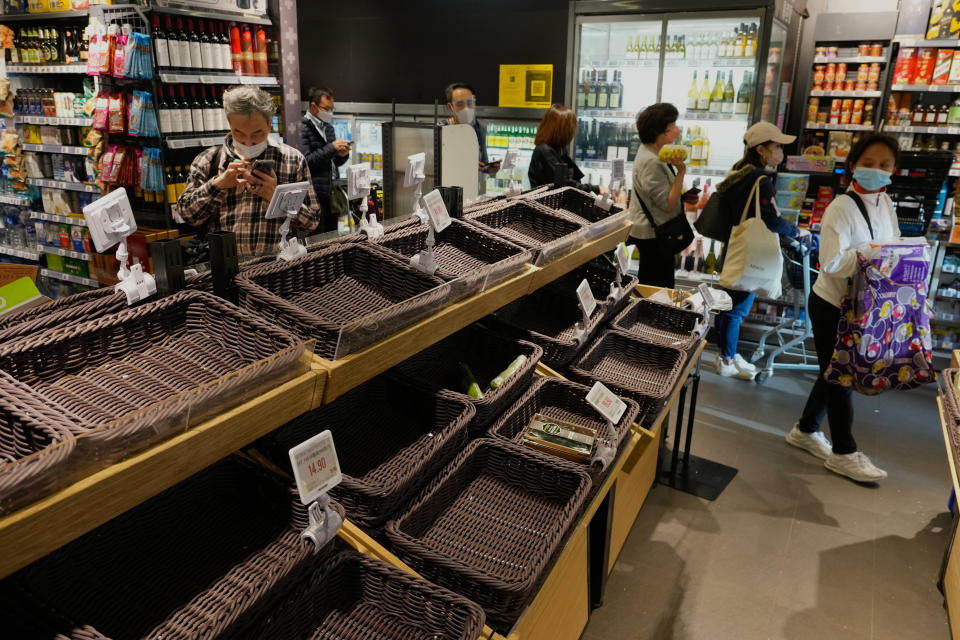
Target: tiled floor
{"points": [[790, 550]]}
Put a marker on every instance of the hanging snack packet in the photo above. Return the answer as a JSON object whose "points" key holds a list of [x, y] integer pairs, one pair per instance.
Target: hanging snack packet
{"points": [[116, 115], [101, 112]]}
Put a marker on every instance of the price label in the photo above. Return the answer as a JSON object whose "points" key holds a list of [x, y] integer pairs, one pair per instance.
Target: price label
{"points": [[623, 258], [315, 466], [606, 402], [617, 169], [585, 295], [437, 210]]}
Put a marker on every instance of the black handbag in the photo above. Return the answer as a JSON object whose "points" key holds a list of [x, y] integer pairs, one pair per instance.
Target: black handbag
{"points": [[674, 235]]}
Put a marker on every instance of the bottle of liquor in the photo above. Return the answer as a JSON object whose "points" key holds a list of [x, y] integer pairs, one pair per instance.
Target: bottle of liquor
{"points": [[581, 90], [953, 119], [173, 44], [208, 51], [196, 49], [186, 112], [741, 46], [170, 178], [592, 94], [196, 111], [604, 91], [592, 142], [182, 175], [705, 153], [710, 264], [930, 117], [628, 51], [696, 146], [634, 146], [224, 122], [246, 47], [160, 50], [236, 49], [943, 115], [616, 91], [729, 97], [744, 96], [643, 48], [693, 94], [716, 98], [683, 47], [163, 112], [224, 56], [751, 48], [183, 39], [919, 112], [260, 52], [703, 102]]}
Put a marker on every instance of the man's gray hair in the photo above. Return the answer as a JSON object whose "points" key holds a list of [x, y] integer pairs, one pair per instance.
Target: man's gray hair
{"points": [[248, 100]]}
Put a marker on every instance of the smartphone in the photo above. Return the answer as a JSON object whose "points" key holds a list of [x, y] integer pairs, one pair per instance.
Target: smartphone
{"points": [[691, 195], [265, 166]]}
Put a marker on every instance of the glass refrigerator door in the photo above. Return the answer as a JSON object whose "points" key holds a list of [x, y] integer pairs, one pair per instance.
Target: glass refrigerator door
{"points": [[773, 108], [710, 71], [503, 135], [617, 76], [368, 145]]}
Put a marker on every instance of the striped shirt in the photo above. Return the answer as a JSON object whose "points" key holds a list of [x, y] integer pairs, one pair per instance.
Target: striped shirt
{"points": [[242, 211]]}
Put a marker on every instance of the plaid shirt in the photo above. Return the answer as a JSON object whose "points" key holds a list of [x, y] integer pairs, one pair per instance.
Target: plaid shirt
{"points": [[242, 211]]}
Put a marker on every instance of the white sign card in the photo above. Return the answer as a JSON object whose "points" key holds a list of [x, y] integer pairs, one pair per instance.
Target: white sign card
{"points": [[617, 170], [623, 258], [585, 294], [509, 160], [437, 210], [358, 181], [415, 165], [287, 198], [606, 402], [315, 466]]}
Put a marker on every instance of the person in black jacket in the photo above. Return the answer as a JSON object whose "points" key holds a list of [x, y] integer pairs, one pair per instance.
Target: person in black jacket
{"points": [[323, 151], [554, 135]]}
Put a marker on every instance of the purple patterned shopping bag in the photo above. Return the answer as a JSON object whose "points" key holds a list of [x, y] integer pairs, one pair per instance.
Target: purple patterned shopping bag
{"points": [[883, 338]]}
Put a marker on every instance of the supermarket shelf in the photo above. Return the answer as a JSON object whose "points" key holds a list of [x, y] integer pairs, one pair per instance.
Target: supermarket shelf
{"points": [[215, 78], [708, 171], [66, 122], [19, 253], [66, 253], [56, 148], [59, 275], [15, 200], [602, 164], [47, 15], [47, 68], [53, 217], [715, 63], [850, 60], [908, 41], [605, 113], [63, 184], [926, 88], [847, 94], [216, 15], [186, 143], [50, 523], [954, 173], [640, 64], [947, 131], [841, 127], [725, 117]]}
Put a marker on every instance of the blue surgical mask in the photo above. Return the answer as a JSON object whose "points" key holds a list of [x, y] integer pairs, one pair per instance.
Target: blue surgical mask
{"points": [[871, 179]]}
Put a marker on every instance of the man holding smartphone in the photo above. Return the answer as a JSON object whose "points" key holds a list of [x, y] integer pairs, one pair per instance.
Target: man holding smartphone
{"points": [[230, 185], [324, 152]]}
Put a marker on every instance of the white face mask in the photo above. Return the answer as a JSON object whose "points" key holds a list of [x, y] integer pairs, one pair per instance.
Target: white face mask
{"points": [[325, 116], [248, 152], [465, 115]]}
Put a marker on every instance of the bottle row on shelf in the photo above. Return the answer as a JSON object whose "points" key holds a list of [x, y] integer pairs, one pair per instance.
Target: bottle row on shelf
{"points": [[742, 43], [50, 103], [838, 77], [722, 99], [909, 110], [199, 110], [594, 92], [846, 111], [863, 50], [49, 45], [213, 46], [510, 136], [606, 141]]}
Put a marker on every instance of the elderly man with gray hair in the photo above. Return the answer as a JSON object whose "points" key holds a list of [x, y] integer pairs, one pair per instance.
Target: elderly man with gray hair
{"points": [[231, 184]]}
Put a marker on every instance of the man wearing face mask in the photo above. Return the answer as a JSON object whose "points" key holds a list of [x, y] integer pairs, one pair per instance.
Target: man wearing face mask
{"points": [[324, 153], [462, 103], [231, 184]]}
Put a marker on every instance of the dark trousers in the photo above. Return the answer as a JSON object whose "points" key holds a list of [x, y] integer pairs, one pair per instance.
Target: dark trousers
{"points": [[728, 322], [656, 267], [832, 400], [328, 221]]}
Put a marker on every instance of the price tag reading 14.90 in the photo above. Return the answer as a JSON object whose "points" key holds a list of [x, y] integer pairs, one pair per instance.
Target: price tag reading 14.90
{"points": [[315, 466]]}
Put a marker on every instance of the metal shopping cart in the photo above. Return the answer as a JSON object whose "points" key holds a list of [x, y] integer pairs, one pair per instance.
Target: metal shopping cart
{"points": [[792, 334]]}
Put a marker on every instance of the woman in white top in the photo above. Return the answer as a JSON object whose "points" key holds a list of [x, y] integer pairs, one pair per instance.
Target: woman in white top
{"points": [[871, 163]]}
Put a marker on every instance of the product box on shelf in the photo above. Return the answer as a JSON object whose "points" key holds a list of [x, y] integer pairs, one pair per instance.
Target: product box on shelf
{"points": [[793, 182], [789, 200], [812, 163], [944, 20]]}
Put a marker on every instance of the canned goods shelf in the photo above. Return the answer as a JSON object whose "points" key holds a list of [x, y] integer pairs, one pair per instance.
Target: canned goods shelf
{"points": [[851, 60], [841, 127], [927, 88], [846, 94]]}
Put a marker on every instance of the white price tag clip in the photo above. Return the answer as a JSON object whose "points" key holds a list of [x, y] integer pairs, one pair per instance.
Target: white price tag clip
{"points": [[316, 471], [285, 203], [605, 201], [358, 186], [587, 306], [438, 219], [414, 177], [623, 264], [110, 220], [612, 408]]}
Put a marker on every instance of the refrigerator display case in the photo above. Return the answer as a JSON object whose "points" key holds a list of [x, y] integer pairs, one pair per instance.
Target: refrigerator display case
{"points": [[706, 63]]}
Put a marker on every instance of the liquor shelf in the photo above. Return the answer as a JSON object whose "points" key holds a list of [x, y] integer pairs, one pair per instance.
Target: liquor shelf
{"points": [[926, 88], [846, 94], [949, 131], [215, 78], [186, 143], [707, 116], [840, 127], [47, 15]]}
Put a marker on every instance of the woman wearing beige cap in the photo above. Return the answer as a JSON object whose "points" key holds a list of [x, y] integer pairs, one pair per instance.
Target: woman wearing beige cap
{"points": [[763, 153]]}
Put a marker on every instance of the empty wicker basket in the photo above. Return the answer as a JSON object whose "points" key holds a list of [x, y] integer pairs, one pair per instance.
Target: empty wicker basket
{"points": [[487, 354], [523, 223], [390, 439], [489, 526], [316, 296], [579, 205], [362, 598], [660, 323], [600, 274], [73, 309]]}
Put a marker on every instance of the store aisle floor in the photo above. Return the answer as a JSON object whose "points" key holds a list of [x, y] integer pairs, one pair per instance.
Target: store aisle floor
{"points": [[790, 551]]}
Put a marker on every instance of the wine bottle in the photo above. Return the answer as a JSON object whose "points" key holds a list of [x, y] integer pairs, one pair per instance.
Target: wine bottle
{"points": [[196, 111], [236, 50], [164, 116], [211, 119], [703, 102], [246, 48], [710, 264], [581, 93], [602, 91], [226, 55], [196, 49], [160, 46], [184, 112], [616, 91], [173, 44], [692, 95], [208, 51], [743, 96], [592, 90], [186, 60], [260, 53], [729, 97]]}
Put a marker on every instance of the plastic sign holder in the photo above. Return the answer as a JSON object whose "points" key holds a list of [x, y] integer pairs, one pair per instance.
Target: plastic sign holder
{"points": [[414, 177], [587, 306], [437, 219], [611, 408], [358, 187], [110, 220], [622, 259], [285, 203], [509, 163], [605, 201], [316, 471]]}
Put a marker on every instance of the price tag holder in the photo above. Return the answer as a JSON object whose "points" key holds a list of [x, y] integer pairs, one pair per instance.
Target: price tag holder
{"points": [[509, 161], [315, 466], [623, 258], [358, 181], [587, 302], [606, 402], [617, 169], [437, 210]]}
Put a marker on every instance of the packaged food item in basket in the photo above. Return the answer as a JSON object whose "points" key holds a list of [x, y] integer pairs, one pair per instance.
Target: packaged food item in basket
{"points": [[511, 369], [557, 437]]}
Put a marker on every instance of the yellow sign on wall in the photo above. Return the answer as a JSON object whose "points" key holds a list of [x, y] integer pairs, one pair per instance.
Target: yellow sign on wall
{"points": [[526, 85]]}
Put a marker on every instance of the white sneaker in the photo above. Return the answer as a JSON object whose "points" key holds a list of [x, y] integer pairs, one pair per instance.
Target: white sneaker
{"points": [[855, 466], [815, 443], [731, 370], [743, 364]]}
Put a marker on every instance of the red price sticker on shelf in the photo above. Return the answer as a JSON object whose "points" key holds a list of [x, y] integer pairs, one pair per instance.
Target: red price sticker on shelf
{"points": [[606, 402], [315, 466]]}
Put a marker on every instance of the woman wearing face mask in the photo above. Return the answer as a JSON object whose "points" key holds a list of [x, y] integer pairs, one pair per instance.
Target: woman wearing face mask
{"points": [[230, 185], [763, 154], [845, 227], [657, 188]]}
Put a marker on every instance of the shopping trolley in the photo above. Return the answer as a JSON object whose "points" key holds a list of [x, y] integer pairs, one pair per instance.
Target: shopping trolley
{"points": [[792, 334]]}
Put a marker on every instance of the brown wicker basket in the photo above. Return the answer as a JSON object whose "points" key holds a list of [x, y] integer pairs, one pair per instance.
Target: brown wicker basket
{"points": [[575, 204], [205, 559], [487, 354], [563, 400], [490, 524], [947, 381], [629, 365], [660, 323], [600, 274], [523, 223], [79, 307], [356, 597], [317, 295], [390, 438], [460, 249]]}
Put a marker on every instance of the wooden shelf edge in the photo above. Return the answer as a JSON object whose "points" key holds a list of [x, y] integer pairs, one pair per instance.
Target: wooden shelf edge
{"points": [[590, 250], [55, 520], [952, 459]]}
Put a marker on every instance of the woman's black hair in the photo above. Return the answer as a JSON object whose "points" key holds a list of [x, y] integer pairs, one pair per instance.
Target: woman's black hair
{"points": [[751, 156], [654, 120], [867, 141]]}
